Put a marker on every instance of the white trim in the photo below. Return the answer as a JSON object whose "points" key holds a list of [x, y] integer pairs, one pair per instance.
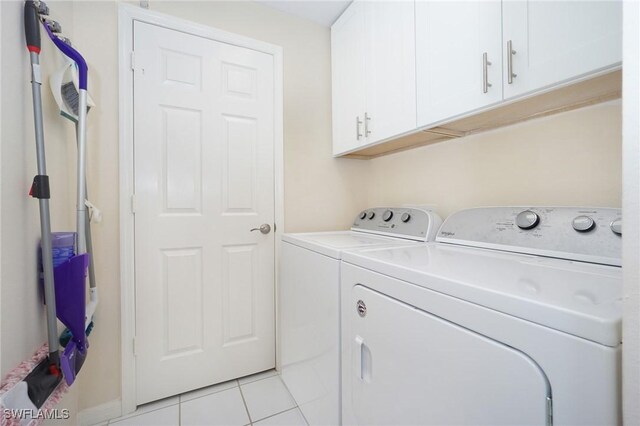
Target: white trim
{"points": [[630, 210], [127, 14], [1, 120], [278, 89], [100, 413]]}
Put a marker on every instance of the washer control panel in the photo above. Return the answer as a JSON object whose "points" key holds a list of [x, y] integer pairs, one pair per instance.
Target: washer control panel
{"points": [[402, 222], [574, 233]]}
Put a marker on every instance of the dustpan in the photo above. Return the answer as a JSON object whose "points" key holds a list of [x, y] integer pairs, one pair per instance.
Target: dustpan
{"points": [[65, 79]]}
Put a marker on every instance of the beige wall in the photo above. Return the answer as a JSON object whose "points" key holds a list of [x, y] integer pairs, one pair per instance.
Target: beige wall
{"points": [[573, 158]]}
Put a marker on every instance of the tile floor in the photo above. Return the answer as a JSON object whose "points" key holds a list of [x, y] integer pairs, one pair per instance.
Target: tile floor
{"points": [[261, 399]]}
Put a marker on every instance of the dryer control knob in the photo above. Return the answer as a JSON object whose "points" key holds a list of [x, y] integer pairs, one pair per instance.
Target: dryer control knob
{"points": [[616, 226], [387, 215], [583, 223], [406, 217], [363, 215], [371, 215], [527, 219]]}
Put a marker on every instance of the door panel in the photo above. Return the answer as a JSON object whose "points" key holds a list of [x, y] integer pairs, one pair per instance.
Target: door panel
{"points": [[204, 177], [391, 68], [348, 78], [410, 367], [559, 40], [450, 62]]}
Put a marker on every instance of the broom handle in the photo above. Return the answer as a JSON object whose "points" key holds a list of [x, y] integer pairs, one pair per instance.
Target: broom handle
{"points": [[87, 232], [40, 188], [81, 183]]}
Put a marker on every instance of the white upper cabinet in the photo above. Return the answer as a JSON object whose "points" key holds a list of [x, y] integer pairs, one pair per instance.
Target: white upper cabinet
{"points": [[373, 73], [390, 69], [348, 78], [556, 41], [422, 68], [459, 57]]}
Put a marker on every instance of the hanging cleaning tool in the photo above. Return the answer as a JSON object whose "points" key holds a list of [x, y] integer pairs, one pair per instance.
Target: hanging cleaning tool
{"points": [[64, 85], [70, 276], [41, 385]]}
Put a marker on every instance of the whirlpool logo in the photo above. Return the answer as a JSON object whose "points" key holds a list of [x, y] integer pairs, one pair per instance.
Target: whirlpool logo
{"points": [[447, 234]]}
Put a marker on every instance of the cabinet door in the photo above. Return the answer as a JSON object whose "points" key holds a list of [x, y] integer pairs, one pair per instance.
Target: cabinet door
{"points": [[348, 79], [452, 39], [390, 69], [556, 41]]}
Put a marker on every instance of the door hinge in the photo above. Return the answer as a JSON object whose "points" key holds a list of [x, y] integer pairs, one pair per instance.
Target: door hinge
{"points": [[132, 58], [133, 204], [549, 411]]}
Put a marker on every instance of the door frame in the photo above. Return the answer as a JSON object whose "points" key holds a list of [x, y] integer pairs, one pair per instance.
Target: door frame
{"points": [[127, 15]]}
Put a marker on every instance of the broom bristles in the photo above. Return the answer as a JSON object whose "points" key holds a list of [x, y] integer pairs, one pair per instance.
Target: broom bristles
{"points": [[17, 374]]}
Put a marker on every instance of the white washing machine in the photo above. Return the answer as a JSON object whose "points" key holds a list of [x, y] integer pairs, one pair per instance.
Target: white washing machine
{"points": [[512, 317], [309, 299]]}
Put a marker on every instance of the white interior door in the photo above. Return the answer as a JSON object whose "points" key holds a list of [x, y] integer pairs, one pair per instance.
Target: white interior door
{"points": [[204, 176], [451, 69]]}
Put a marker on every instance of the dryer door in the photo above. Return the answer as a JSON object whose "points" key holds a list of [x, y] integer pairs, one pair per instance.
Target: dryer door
{"points": [[410, 367]]}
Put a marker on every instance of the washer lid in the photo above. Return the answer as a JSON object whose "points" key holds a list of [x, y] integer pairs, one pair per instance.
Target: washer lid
{"points": [[581, 299], [333, 243]]}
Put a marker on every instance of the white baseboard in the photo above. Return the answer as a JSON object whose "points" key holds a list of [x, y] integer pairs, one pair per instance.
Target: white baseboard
{"points": [[100, 413]]}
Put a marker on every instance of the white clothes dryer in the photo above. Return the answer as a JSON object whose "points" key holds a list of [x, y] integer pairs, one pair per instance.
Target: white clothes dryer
{"points": [[309, 301], [513, 317]]}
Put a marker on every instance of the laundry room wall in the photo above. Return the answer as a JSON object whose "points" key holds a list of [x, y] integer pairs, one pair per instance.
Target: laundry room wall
{"points": [[321, 193], [569, 159], [22, 320]]}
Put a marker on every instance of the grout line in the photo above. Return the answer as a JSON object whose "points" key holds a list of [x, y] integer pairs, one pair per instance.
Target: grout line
{"points": [[280, 412], [208, 394], [303, 416], [275, 373], [129, 416], [245, 404]]}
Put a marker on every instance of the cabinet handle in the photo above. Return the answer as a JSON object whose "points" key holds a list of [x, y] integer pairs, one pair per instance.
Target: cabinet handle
{"points": [[485, 73], [510, 52], [358, 123], [367, 132]]}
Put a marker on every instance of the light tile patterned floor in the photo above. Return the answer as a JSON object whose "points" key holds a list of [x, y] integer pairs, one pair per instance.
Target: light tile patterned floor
{"points": [[261, 399]]}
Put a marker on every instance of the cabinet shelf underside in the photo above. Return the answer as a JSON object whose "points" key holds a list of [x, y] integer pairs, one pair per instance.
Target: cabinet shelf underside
{"points": [[594, 90]]}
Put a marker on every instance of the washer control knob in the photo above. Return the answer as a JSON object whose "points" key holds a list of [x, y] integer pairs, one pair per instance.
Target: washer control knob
{"points": [[387, 215], [371, 215], [406, 217], [616, 226], [527, 219], [363, 215], [583, 223]]}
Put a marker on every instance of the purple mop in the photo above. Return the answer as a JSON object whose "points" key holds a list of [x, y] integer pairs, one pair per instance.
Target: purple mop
{"points": [[69, 280], [70, 276]]}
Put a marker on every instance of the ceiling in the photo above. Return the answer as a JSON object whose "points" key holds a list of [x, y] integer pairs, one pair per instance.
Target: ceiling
{"points": [[322, 12]]}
